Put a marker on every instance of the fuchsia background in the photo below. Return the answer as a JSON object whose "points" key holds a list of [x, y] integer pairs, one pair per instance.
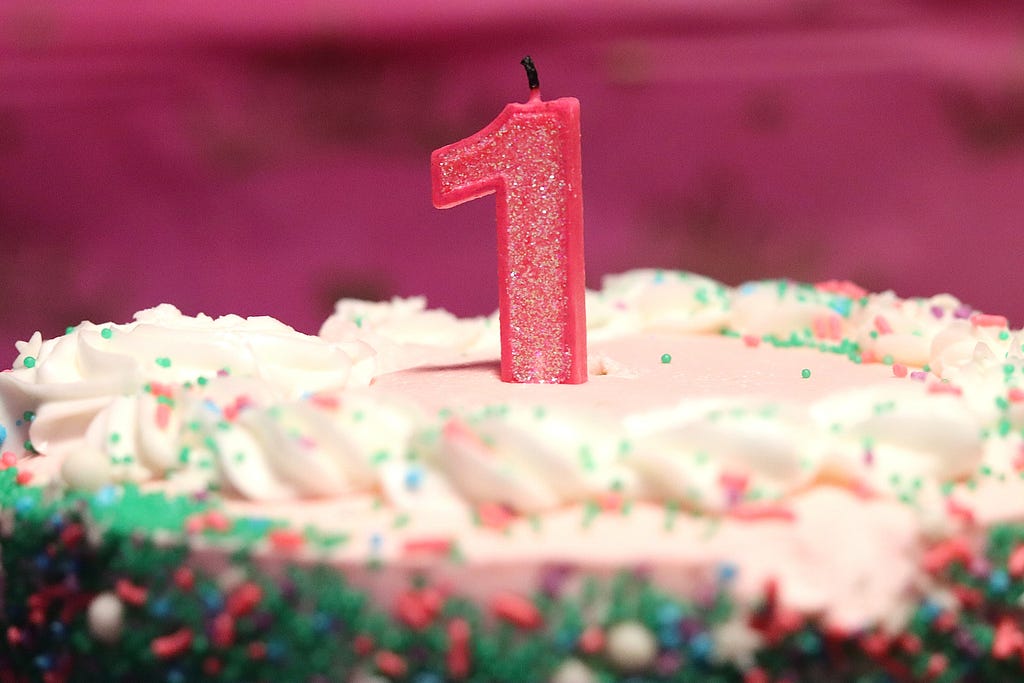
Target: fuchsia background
{"points": [[268, 157]]}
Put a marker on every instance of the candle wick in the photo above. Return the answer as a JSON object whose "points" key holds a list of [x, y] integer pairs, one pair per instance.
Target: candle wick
{"points": [[531, 72]]}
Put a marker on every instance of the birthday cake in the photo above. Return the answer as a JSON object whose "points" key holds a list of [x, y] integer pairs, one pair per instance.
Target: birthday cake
{"points": [[774, 482]]}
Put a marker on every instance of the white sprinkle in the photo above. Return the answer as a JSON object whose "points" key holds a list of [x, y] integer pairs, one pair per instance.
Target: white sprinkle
{"points": [[573, 671], [631, 647]]}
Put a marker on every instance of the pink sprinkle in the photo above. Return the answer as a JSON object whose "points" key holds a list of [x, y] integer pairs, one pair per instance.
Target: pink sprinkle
{"points": [[1015, 395], [495, 515], [218, 521], [958, 510], [390, 664], [325, 401], [195, 524], [882, 325], [943, 388], [8, 459], [988, 320], [23, 477], [733, 482], [163, 416], [899, 370], [820, 326], [751, 341]]}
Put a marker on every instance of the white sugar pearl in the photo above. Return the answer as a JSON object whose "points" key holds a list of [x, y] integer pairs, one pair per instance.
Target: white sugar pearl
{"points": [[106, 618], [631, 647], [86, 469], [573, 671]]}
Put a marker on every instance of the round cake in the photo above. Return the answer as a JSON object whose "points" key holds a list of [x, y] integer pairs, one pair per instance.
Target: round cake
{"points": [[773, 482]]}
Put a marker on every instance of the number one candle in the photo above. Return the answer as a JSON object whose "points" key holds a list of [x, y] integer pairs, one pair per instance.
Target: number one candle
{"points": [[530, 157]]}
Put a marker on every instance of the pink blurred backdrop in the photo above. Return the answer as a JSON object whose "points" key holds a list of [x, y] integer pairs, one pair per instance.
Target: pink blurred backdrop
{"points": [[269, 157]]}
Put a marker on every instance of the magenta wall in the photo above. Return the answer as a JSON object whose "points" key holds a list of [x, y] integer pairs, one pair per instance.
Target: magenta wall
{"points": [[269, 157]]}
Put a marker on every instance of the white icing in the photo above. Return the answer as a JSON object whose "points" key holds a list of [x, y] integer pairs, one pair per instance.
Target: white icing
{"points": [[268, 413]]}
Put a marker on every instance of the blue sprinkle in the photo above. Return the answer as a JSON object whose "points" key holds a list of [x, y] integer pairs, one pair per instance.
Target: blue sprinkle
{"points": [[808, 642], [413, 478], [57, 521], [275, 650], [565, 639], [321, 622], [669, 637], [257, 524], [106, 496], [161, 607], [212, 599], [376, 540], [3, 435], [211, 406], [175, 676], [748, 288], [24, 504], [727, 572], [427, 677], [43, 662], [57, 629], [998, 581], [841, 305], [701, 646], [930, 610], [668, 613], [42, 561], [659, 277]]}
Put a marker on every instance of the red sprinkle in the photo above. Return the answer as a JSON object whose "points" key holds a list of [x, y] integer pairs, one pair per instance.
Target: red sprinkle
{"points": [[222, 630], [956, 549], [1008, 639], [23, 477], [363, 645], [875, 644], [751, 341], [7, 459], [899, 370], [14, 636], [172, 645], [212, 666], [910, 643], [988, 320], [937, 664], [286, 539], [130, 593], [217, 520], [184, 578], [959, 511], [1015, 395], [325, 401], [944, 388], [516, 610], [428, 546], [970, 598], [163, 416], [71, 535], [756, 675], [413, 611], [844, 287], [762, 511], [244, 599], [390, 664], [495, 515], [1015, 565], [457, 657], [257, 650], [945, 622], [591, 640]]}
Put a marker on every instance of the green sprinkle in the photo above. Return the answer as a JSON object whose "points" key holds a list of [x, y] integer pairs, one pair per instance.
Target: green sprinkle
{"points": [[805, 373], [115, 437], [163, 361], [69, 329], [666, 358], [30, 362], [106, 333]]}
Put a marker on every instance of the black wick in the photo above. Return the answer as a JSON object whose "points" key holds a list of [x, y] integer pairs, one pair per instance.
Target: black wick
{"points": [[531, 72]]}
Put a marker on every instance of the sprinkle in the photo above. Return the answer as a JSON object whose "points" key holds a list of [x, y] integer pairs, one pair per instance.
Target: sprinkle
{"points": [[899, 370], [30, 362], [592, 640], [23, 477], [7, 459], [516, 610], [286, 539], [882, 325], [805, 373], [105, 617], [762, 511], [163, 361], [131, 593], [390, 664], [631, 646], [938, 558], [106, 333], [944, 388], [244, 599], [222, 630], [495, 516], [988, 320], [363, 644], [751, 341], [666, 358], [172, 645], [184, 578], [427, 546], [1015, 564], [1008, 640]]}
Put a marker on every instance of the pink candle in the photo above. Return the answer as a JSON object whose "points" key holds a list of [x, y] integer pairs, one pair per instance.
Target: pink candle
{"points": [[530, 157]]}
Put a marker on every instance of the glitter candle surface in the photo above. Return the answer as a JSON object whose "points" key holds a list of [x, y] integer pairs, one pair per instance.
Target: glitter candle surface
{"points": [[530, 157]]}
